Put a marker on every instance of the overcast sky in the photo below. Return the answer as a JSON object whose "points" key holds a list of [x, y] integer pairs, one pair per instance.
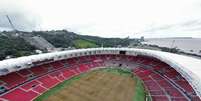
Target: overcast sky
{"points": [[106, 18]]}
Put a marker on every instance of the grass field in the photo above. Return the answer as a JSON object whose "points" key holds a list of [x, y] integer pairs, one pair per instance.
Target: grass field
{"points": [[84, 44], [98, 85]]}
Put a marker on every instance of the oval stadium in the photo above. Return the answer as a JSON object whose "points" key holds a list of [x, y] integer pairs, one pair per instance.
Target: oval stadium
{"points": [[101, 74]]}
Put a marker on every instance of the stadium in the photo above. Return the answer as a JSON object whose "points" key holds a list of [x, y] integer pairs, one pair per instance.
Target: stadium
{"points": [[161, 76]]}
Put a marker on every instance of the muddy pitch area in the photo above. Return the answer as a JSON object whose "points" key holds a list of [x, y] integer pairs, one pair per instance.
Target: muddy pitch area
{"points": [[97, 86]]}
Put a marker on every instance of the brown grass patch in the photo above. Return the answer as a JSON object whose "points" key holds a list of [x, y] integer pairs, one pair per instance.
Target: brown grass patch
{"points": [[97, 86]]}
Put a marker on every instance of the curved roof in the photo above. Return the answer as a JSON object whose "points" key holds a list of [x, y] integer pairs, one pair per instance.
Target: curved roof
{"points": [[188, 67]]}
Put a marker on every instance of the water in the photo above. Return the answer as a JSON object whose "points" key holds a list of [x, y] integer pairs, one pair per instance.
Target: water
{"points": [[190, 45]]}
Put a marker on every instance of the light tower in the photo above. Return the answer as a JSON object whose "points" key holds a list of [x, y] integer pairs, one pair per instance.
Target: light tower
{"points": [[11, 24], [17, 32]]}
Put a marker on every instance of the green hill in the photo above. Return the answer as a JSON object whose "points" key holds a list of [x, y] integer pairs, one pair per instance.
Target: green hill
{"points": [[13, 46], [63, 38]]}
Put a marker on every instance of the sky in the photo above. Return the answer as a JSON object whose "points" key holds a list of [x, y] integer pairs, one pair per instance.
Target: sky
{"points": [[106, 18]]}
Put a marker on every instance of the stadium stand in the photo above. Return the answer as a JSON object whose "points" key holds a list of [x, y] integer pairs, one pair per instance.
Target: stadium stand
{"points": [[161, 81]]}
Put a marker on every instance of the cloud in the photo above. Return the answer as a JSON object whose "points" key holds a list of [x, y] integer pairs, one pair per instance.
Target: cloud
{"points": [[191, 23], [190, 28], [106, 18], [163, 27], [21, 18]]}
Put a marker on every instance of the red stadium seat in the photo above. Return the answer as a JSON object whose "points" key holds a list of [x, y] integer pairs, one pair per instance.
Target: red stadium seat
{"points": [[24, 72], [12, 79], [83, 68], [68, 73], [39, 70], [20, 95], [30, 85], [160, 98], [39, 89], [57, 65], [48, 81]]}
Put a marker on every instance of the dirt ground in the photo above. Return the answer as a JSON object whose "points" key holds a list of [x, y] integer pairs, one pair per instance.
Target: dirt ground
{"points": [[97, 86]]}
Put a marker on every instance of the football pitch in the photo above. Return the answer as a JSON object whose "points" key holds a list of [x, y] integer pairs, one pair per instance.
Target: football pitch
{"points": [[110, 84]]}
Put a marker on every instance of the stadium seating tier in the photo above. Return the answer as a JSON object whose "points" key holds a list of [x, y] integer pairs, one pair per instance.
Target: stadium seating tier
{"points": [[161, 81]]}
